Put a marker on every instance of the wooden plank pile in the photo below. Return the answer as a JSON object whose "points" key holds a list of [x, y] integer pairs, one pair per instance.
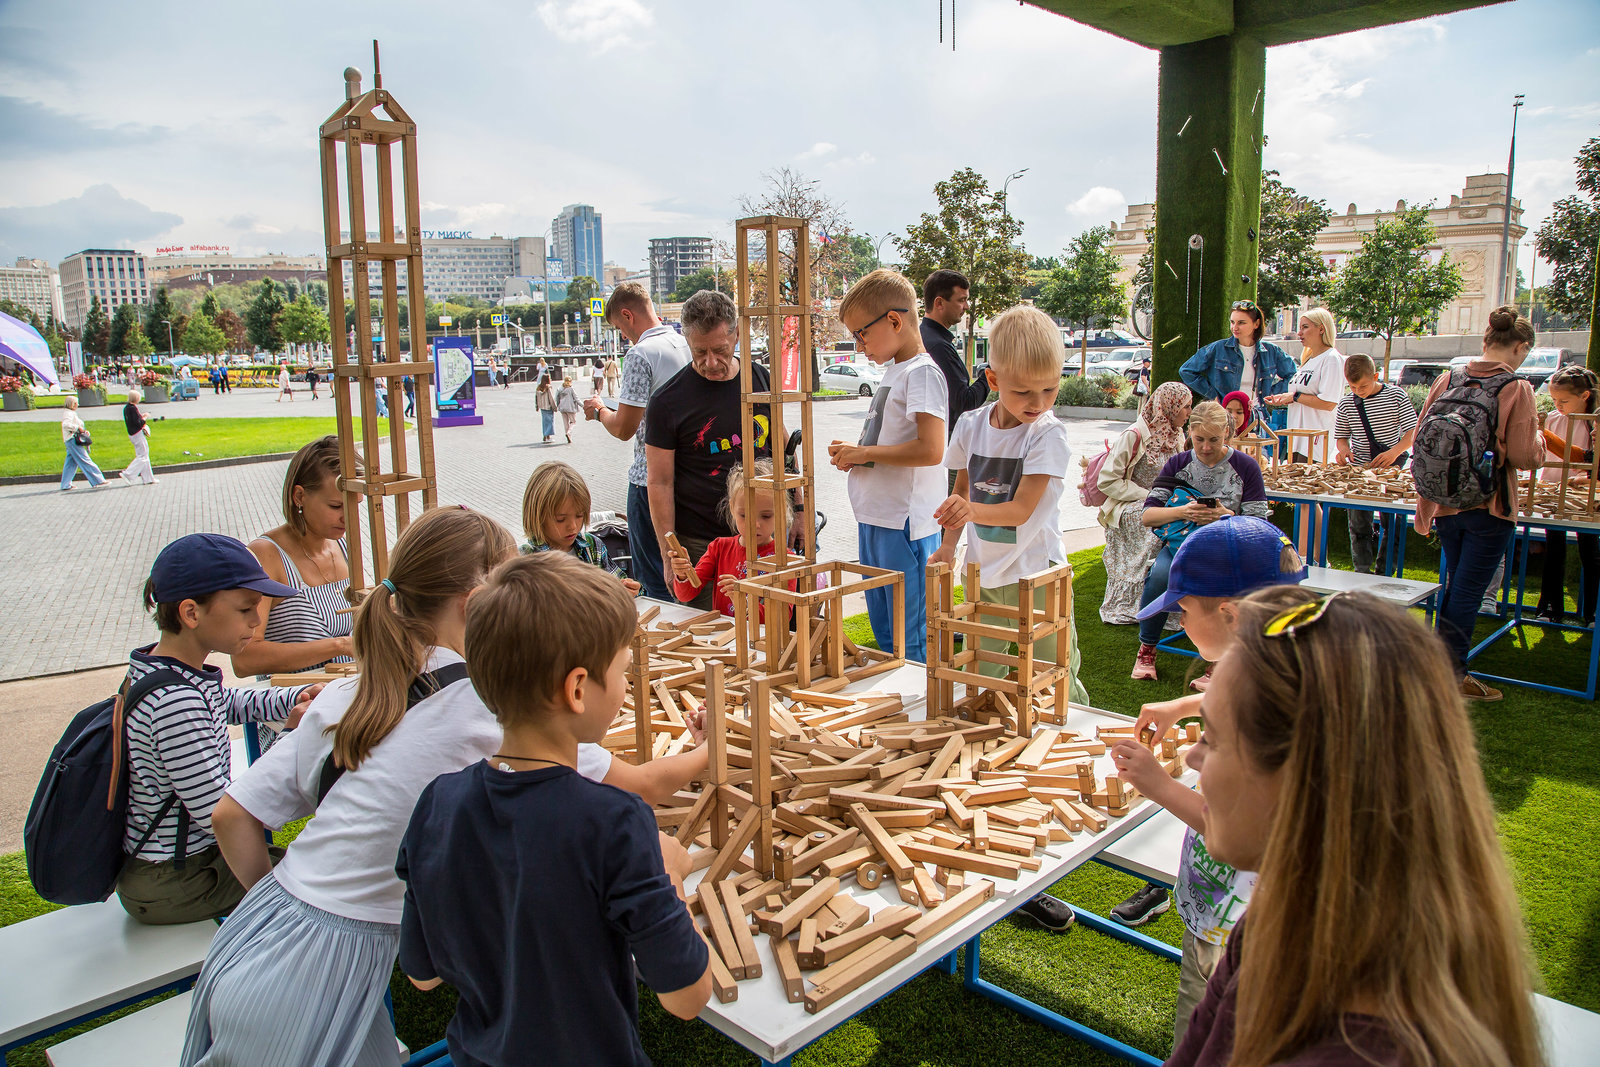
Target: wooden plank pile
{"points": [[1389, 485]]}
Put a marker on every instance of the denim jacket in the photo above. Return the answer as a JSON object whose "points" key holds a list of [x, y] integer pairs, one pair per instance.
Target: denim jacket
{"points": [[1216, 370]]}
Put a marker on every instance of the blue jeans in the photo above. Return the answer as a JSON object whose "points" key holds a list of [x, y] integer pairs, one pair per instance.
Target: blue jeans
{"points": [[1155, 585], [547, 423], [78, 459], [894, 550], [1474, 543], [641, 540]]}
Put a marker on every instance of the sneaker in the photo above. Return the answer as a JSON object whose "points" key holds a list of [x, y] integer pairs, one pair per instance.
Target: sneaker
{"points": [[1048, 912], [1202, 683], [1144, 665], [1143, 906], [1473, 689]]}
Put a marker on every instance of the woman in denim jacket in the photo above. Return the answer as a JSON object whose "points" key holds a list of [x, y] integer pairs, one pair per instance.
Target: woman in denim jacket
{"points": [[1220, 367]]}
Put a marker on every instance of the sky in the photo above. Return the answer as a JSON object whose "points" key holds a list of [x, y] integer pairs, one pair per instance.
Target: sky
{"points": [[164, 123]]}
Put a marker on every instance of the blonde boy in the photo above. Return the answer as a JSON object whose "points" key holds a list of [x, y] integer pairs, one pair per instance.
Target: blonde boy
{"points": [[526, 882], [895, 476]]}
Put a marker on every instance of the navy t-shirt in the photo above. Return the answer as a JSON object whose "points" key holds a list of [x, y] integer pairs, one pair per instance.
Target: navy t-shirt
{"points": [[699, 421], [535, 893]]}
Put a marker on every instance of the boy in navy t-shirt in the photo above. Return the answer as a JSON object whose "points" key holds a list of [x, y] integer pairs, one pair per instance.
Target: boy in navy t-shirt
{"points": [[532, 890]]}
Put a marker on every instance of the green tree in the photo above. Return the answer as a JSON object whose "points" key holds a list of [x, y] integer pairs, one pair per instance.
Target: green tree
{"points": [[303, 323], [22, 313], [58, 344], [123, 322], [209, 306], [318, 292], [974, 234], [202, 338], [858, 257], [1568, 239], [261, 318], [135, 344], [1289, 265], [1084, 290], [97, 330], [705, 278], [233, 328], [1390, 286], [157, 314]]}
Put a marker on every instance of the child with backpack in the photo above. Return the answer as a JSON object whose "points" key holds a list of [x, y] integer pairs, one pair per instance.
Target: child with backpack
{"points": [[205, 591], [1574, 390], [1477, 425]]}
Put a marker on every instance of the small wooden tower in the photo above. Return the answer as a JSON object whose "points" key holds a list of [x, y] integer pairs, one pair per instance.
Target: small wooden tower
{"points": [[366, 127]]}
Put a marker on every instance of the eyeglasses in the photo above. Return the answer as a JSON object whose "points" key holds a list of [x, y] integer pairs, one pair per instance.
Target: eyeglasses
{"points": [[861, 334], [1287, 623], [1243, 305]]}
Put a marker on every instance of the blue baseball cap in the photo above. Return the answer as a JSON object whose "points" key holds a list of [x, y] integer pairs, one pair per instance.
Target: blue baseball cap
{"points": [[198, 564], [1233, 556]]}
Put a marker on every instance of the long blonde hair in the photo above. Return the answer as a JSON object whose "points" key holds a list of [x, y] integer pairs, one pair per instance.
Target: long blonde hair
{"points": [[1382, 888], [444, 554]]}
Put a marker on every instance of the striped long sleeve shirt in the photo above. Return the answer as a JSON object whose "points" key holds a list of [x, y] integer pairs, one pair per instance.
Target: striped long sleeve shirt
{"points": [[178, 743]]}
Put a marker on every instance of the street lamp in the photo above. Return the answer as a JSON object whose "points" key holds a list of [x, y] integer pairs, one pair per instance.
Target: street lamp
{"points": [[1006, 184], [877, 252], [1505, 226], [169, 338]]}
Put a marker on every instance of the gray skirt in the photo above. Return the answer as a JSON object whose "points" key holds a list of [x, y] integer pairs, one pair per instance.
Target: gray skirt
{"points": [[286, 983]]}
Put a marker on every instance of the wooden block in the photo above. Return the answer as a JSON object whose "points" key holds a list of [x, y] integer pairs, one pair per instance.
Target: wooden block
{"points": [[1092, 820], [783, 954], [886, 923], [785, 922], [810, 859], [963, 861], [880, 840], [927, 888], [723, 984], [721, 930], [1038, 750], [730, 853], [869, 875], [855, 970], [850, 915], [837, 866], [958, 811], [995, 794], [1004, 754], [843, 798], [806, 951], [980, 830], [677, 546], [950, 911], [741, 929], [907, 892]]}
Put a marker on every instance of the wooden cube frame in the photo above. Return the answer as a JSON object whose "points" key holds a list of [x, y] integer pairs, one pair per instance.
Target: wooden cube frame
{"points": [[1568, 467], [817, 648], [1286, 450], [364, 477], [1256, 447], [946, 619]]}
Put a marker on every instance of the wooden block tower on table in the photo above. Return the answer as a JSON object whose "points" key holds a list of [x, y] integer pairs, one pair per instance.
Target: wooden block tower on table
{"points": [[357, 128], [1027, 680], [1562, 499]]}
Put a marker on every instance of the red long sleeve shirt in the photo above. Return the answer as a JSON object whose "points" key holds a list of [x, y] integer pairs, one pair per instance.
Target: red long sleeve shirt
{"points": [[723, 556]]}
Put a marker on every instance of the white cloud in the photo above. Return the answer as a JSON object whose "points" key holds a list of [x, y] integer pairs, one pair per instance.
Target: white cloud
{"points": [[818, 150], [602, 24], [1100, 204]]}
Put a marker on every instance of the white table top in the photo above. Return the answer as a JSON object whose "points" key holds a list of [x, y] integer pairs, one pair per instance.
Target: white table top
{"points": [[1151, 850], [78, 960], [1402, 591], [1571, 1035], [153, 1036]]}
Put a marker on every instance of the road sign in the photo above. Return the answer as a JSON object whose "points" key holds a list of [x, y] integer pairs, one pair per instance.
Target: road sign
{"points": [[497, 319], [447, 320], [597, 307]]}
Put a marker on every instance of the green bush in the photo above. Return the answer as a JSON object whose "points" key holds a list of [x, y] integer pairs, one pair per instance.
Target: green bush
{"points": [[1079, 392], [1419, 396], [1131, 402]]}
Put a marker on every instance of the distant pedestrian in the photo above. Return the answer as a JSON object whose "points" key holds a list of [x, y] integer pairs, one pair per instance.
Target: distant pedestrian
{"points": [[76, 438], [284, 389], [613, 373], [544, 398], [312, 378], [140, 469], [216, 379], [567, 404], [595, 375], [410, 386]]}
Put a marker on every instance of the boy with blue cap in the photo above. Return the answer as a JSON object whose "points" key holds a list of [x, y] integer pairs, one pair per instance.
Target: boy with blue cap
{"points": [[205, 591], [1215, 567]]}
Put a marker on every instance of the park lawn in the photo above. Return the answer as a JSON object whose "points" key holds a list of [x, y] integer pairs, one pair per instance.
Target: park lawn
{"points": [[1546, 791], [34, 448], [60, 400]]}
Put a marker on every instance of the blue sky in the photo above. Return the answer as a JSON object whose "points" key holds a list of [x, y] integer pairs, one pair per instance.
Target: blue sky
{"points": [[167, 123]]}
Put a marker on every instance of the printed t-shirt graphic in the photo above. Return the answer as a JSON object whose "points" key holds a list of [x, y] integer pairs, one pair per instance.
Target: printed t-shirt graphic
{"points": [[996, 461], [994, 480], [892, 496]]}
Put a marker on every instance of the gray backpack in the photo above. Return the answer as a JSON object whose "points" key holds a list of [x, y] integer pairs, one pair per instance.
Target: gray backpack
{"points": [[1453, 462]]}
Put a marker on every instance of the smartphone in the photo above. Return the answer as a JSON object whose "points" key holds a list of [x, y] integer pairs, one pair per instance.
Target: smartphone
{"points": [[1207, 501]]}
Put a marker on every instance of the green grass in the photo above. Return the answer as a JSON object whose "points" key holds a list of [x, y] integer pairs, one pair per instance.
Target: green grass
{"points": [[34, 448], [60, 401], [1538, 760]]}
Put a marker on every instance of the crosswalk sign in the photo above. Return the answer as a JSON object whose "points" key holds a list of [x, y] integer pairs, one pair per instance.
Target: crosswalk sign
{"points": [[597, 307], [497, 319]]}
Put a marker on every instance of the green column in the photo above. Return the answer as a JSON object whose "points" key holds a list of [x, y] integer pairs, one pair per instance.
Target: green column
{"points": [[1593, 358], [1208, 183]]}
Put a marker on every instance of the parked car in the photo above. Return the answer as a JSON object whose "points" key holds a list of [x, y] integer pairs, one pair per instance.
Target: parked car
{"points": [[1542, 363], [1359, 333], [1420, 373], [1103, 339], [859, 378], [1101, 360]]}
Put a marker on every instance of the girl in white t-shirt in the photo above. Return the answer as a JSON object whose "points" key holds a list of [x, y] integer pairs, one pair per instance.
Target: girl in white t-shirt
{"points": [[1312, 395]]}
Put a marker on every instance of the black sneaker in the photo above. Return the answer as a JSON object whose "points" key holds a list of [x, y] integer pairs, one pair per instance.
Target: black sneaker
{"points": [[1143, 906], [1048, 912]]}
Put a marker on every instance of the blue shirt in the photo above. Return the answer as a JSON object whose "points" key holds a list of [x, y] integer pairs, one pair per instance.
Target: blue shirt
{"points": [[1218, 368], [535, 893]]}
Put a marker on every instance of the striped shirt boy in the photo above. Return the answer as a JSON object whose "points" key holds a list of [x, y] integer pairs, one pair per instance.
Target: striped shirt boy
{"points": [[1389, 411]]}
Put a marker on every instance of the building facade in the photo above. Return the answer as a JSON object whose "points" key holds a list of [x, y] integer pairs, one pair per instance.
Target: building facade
{"points": [[1467, 230], [455, 263], [175, 264], [33, 284], [578, 241], [115, 275], [674, 258]]}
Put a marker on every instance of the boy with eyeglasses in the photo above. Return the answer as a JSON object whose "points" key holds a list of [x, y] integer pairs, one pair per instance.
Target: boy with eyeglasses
{"points": [[896, 480]]}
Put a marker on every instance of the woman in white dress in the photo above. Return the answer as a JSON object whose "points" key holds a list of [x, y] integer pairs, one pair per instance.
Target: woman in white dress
{"points": [[1155, 437]]}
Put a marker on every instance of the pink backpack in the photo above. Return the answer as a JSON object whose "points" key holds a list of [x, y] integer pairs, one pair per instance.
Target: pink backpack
{"points": [[1089, 488]]}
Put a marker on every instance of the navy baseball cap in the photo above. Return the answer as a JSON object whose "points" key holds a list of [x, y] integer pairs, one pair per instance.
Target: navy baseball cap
{"points": [[1233, 556], [197, 564]]}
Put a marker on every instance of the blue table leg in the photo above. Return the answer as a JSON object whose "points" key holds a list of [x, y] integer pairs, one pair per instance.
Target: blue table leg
{"points": [[1112, 928]]}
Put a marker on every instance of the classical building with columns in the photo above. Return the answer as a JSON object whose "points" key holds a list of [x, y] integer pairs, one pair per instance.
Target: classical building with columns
{"points": [[1467, 229]]}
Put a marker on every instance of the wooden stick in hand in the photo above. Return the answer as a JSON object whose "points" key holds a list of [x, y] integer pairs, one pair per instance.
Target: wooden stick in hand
{"points": [[677, 546]]}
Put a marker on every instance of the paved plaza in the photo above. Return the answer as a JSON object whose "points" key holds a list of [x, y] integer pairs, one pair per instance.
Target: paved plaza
{"points": [[79, 559]]}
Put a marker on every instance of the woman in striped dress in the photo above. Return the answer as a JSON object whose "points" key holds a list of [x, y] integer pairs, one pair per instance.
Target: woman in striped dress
{"points": [[307, 631]]}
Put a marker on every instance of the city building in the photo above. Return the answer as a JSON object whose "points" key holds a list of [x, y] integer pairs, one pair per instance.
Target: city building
{"points": [[615, 276], [578, 241], [205, 266], [33, 284], [455, 263], [115, 275], [1467, 230], [675, 258]]}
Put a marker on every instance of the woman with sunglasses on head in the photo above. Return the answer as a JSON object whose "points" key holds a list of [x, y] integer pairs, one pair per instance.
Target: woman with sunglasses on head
{"points": [[1383, 928], [1241, 362]]}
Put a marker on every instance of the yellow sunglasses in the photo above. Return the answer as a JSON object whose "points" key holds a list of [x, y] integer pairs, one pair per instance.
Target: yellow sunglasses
{"points": [[1287, 622]]}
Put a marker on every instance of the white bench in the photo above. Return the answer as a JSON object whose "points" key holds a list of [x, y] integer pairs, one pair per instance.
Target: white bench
{"points": [[80, 962], [1403, 591]]}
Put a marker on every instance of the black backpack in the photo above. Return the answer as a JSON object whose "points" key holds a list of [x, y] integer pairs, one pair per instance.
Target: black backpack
{"points": [[73, 836], [1453, 460]]}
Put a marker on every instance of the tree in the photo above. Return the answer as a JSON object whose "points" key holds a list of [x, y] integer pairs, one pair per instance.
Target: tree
{"points": [[157, 314], [202, 338], [123, 322], [1084, 289], [233, 328], [858, 257], [291, 290], [303, 323], [318, 292], [136, 345], [209, 306], [1569, 238], [97, 330], [261, 318], [1289, 265], [974, 234], [22, 313], [58, 345], [700, 280], [1390, 285]]}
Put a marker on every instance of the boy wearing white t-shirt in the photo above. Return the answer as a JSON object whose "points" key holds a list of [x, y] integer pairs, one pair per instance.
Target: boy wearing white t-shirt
{"points": [[896, 480]]}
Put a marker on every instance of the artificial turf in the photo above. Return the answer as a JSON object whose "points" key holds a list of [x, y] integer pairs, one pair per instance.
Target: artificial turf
{"points": [[1537, 757]]}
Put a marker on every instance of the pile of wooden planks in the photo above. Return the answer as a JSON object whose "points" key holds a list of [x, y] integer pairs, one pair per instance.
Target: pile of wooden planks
{"points": [[1392, 485]]}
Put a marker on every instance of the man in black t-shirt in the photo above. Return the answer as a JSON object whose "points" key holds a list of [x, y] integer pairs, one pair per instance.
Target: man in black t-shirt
{"points": [[693, 433], [944, 303]]}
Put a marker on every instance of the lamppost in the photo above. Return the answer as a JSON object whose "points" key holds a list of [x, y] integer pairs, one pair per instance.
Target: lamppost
{"points": [[1533, 283], [877, 251], [169, 339], [1006, 184], [1505, 226]]}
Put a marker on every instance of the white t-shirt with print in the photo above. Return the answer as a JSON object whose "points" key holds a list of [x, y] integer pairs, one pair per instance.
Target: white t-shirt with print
{"points": [[1322, 376], [888, 496], [1247, 377], [996, 461], [343, 861], [1211, 895]]}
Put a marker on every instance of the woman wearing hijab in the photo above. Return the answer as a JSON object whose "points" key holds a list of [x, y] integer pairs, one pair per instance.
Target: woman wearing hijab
{"points": [[1125, 478]]}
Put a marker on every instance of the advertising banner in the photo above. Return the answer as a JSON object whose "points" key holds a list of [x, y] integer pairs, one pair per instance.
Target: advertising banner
{"points": [[789, 354], [454, 392]]}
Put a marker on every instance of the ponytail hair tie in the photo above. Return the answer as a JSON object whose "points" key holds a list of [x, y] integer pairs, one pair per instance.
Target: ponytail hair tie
{"points": [[387, 584]]}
